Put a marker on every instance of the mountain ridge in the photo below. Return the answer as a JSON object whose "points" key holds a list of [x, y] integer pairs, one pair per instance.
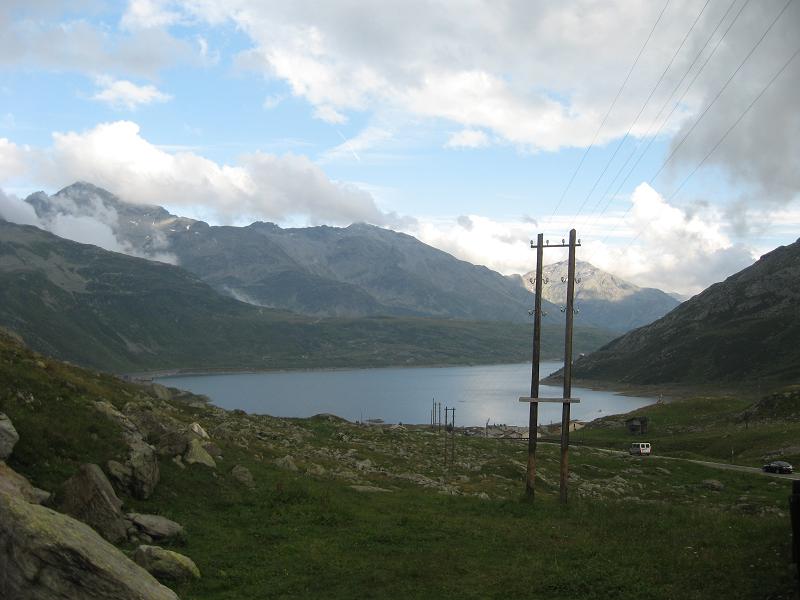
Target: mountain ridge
{"points": [[116, 312], [744, 328], [603, 299], [362, 270]]}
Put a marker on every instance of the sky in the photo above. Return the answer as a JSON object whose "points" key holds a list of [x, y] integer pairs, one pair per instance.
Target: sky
{"points": [[667, 132]]}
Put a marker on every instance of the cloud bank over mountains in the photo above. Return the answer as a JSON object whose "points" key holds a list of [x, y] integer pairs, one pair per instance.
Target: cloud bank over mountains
{"points": [[535, 77]]}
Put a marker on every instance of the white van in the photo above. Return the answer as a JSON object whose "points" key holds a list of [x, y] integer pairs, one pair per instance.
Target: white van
{"points": [[639, 449]]}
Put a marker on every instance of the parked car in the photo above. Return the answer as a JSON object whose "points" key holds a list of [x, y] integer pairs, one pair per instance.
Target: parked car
{"points": [[778, 466], [640, 448]]}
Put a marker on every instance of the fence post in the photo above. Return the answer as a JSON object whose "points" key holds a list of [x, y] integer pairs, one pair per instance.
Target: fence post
{"points": [[794, 510]]}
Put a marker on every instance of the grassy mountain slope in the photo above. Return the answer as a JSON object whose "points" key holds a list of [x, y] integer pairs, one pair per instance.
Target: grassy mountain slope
{"points": [[746, 328], [112, 311]]}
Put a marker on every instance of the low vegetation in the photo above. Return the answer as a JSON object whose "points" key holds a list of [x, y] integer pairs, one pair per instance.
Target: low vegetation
{"points": [[339, 510]]}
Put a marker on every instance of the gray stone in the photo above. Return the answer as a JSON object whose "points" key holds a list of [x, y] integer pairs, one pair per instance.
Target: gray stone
{"points": [[143, 462], [713, 484], [166, 565], [156, 526], [89, 497], [45, 555], [8, 436], [198, 430], [369, 489], [287, 462], [172, 443], [196, 454], [16, 485], [214, 450], [243, 475]]}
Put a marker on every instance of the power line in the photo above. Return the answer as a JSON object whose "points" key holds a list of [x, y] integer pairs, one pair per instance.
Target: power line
{"points": [[610, 108], [728, 130], [735, 123], [722, 138], [664, 105], [719, 93], [641, 110], [722, 89]]}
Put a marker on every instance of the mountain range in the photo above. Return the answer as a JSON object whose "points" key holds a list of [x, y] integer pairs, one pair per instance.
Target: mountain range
{"points": [[121, 313], [355, 271], [602, 299], [744, 329]]}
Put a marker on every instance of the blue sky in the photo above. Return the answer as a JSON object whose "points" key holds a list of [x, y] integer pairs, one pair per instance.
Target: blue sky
{"points": [[461, 124]]}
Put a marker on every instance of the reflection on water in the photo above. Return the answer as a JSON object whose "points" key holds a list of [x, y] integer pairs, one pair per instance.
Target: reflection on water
{"points": [[478, 394]]}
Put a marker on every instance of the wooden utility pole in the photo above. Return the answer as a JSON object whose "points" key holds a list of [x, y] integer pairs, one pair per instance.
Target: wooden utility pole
{"points": [[565, 408], [566, 399], [533, 417]]}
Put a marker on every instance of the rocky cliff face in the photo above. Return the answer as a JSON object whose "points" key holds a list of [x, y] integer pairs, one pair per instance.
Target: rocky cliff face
{"points": [[746, 327], [604, 300], [359, 270]]}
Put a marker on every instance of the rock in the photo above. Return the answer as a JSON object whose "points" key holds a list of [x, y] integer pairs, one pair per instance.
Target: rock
{"points": [[368, 489], [172, 443], [214, 450], [166, 565], [16, 485], [45, 555], [155, 526], [142, 460], [8, 436], [198, 430], [196, 454], [315, 469], [120, 475], [364, 465], [244, 476], [713, 484], [287, 462], [89, 497]]}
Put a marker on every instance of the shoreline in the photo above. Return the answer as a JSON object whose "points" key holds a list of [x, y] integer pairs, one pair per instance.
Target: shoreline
{"points": [[149, 376]]}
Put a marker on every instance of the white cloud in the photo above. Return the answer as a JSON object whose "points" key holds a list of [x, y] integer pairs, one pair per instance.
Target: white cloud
{"points": [[147, 14], [121, 93], [261, 186], [468, 138], [12, 160], [658, 245], [15, 210], [670, 248]]}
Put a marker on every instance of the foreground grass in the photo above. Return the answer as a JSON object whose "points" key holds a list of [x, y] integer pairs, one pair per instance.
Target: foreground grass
{"points": [[298, 537], [633, 529]]}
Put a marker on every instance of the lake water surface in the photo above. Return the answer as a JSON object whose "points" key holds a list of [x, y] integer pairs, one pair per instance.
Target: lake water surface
{"points": [[402, 395]]}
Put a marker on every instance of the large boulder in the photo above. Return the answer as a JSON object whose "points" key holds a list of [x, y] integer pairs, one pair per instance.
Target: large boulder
{"points": [[155, 526], [45, 555], [8, 436], [89, 497], [166, 565], [196, 454], [139, 475], [16, 485]]}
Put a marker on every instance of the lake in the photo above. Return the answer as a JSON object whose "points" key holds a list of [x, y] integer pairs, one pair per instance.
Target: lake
{"points": [[402, 395]]}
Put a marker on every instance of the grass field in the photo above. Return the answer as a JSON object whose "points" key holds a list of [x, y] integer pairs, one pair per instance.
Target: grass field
{"points": [[411, 527]]}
